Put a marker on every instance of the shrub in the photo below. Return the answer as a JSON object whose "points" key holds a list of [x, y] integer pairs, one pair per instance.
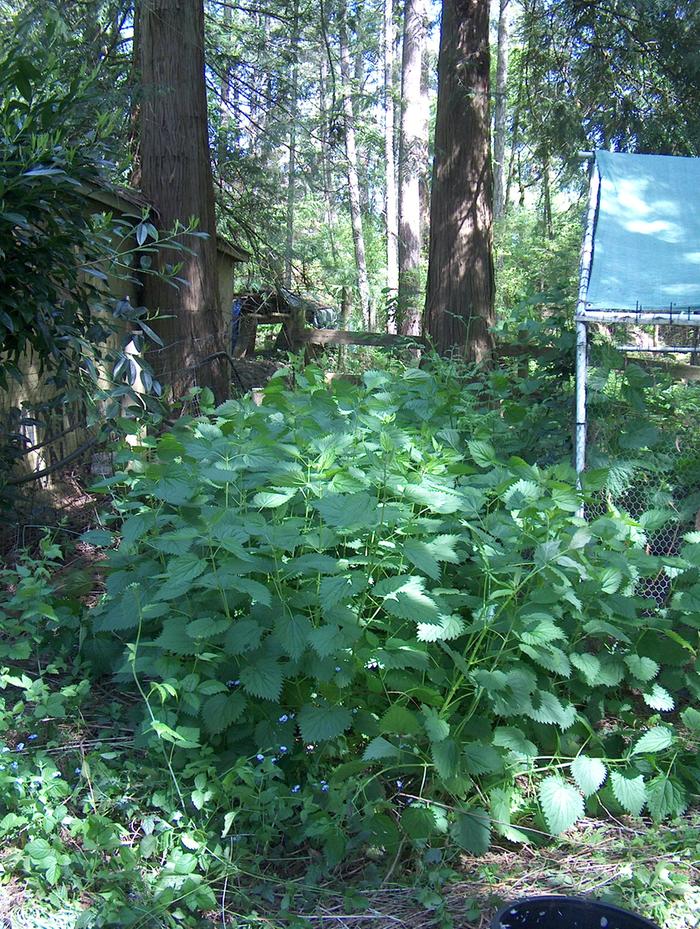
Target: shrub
{"points": [[357, 617]]}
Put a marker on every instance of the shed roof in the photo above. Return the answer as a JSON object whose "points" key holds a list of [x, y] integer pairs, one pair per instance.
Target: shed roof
{"points": [[129, 201]]}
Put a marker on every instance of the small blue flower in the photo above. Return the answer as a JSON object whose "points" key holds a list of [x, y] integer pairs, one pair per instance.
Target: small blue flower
{"points": [[14, 765], [337, 668], [259, 757], [324, 788], [20, 746], [33, 736], [296, 788], [399, 784], [283, 718], [2, 767], [232, 684], [283, 749], [78, 771]]}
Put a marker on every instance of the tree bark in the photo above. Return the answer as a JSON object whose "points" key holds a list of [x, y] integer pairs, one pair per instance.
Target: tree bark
{"points": [[292, 167], [368, 312], [459, 305], [500, 113], [412, 152], [176, 178], [391, 199]]}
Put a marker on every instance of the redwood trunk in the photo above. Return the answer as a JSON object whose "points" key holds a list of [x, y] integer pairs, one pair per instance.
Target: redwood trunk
{"points": [[391, 199], [368, 313], [459, 305], [412, 153], [176, 178], [500, 113]]}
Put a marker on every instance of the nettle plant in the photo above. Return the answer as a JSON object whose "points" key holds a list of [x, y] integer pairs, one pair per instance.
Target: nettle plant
{"points": [[355, 623]]}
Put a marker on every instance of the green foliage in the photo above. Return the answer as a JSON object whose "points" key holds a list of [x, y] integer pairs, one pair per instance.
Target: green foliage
{"points": [[339, 592]]}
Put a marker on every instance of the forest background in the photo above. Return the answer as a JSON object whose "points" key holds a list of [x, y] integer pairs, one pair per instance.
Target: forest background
{"points": [[418, 650]]}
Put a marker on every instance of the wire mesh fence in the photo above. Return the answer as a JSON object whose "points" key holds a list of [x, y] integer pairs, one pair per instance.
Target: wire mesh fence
{"points": [[645, 431]]}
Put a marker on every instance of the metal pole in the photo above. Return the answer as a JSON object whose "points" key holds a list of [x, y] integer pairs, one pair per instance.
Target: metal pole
{"points": [[581, 332], [581, 378]]}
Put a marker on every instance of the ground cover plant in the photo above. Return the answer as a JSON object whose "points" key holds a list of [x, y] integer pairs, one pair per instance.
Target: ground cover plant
{"points": [[347, 625]]}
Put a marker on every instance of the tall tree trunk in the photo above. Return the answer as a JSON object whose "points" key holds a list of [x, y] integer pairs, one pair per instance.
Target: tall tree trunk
{"points": [[500, 113], [291, 177], [391, 199], [326, 166], [135, 95], [368, 312], [411, 153], [176, 178], [224, 105], [459, 305], [547, 225]]}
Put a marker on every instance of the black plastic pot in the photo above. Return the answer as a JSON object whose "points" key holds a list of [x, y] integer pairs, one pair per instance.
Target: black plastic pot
{"points": [[553, 912]]}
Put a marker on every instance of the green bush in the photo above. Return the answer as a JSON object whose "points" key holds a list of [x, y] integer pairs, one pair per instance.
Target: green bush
{"points": [[354, 621]]}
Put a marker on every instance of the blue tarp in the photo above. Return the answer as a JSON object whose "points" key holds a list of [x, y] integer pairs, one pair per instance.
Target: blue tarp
{"points": [[646, 243]]}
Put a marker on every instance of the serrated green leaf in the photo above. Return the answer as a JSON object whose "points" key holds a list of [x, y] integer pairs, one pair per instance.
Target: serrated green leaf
{"points": [[325, 639], [98, 537], [666, 798], [643, 668], [419, 554], [656, 739], [471, 830], [482, 452], [320, 723], [348, 512], [629, 792], [609, 580], [380, 747], [206, 627], [500, 806], [691, 718], [405, 597], [436, 728], [482, 758], [398, 720], [514, 740], [293, 633], [207, 688], [222, 710], [271, 499], [339, 588], [549, 657], [242, 636], [561, 803], [546, 708], [418, 822], [257, 592], [263, 678], [449, 627], [658, 698], [589, 666], [174, 639], [174, 490], [185, 568], [446, 757], [38, 849], [589, 773]]}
